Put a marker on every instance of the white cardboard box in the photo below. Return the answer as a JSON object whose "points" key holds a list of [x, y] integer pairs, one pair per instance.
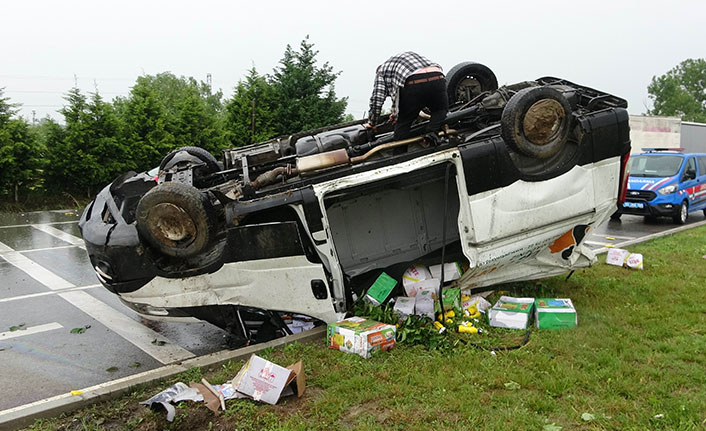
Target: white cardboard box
{"points": [[616, 256], [452, 271], [404, 305], [414, 274], [412, 289], [509, 312]]}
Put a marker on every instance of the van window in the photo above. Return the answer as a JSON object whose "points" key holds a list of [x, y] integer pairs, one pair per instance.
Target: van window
{"points": [[702, 165], [690, 166], [655, 165]]}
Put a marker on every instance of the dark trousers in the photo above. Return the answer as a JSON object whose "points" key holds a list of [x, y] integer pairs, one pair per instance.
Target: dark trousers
{"points": [[415, 97]]}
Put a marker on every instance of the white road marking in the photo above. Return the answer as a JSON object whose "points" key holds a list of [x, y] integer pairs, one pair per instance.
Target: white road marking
{"points": [[54, 292], [5, 249], [602, 244], [614, 236], [29, 225], [36, 271], [29, 331], [57, 233], [58, 247], [137, 334], [132, 331]]}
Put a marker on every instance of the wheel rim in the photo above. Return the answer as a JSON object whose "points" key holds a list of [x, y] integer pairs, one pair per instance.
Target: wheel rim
{"points": [[542, 121], [683, 212], [468, 88], [171, 225]]}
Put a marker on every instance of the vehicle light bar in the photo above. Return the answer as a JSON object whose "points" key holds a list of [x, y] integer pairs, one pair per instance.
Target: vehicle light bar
{"points": [[651, 150]]}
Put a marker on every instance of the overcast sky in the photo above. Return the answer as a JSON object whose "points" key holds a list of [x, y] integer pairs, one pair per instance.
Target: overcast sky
{"points": [[616, 46]]}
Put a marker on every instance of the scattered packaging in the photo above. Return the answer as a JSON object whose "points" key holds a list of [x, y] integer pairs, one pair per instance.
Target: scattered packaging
{"points": [[429, 284], [414, 274], [380, 290], [424, 303], [480, 303], [616, 256], [299, 323], [634, 261], [554, 313], [265, 381], [452, 271], [451, 298], [360, 336], [404, 305], [511, 312], [177, 392]]}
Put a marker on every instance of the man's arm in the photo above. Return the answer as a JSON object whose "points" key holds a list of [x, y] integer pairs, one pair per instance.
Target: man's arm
{"points": [[377, 99]]}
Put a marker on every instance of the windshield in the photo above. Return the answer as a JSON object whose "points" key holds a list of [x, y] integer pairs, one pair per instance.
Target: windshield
{"points": [[655, 166]]}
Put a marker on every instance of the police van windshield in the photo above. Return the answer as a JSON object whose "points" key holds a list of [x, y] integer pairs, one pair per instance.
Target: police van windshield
{"points": [[655, 165]]}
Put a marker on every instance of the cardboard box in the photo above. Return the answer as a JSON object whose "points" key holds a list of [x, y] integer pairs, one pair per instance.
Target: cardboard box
{"points": [[634, 261], [424, 303], [451, 299], [412, 289], [404, 305], [265, 381], [616, 256], [380, 290], [414, 274], [511, 312], [452, 271], [554, 313], [360, 336]]}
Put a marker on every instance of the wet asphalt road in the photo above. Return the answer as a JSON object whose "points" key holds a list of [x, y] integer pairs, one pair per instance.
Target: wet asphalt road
{"points": [[48, 288]]}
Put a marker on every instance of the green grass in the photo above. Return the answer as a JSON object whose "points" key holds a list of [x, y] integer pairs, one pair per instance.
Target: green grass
{"points": [[637, 353]]}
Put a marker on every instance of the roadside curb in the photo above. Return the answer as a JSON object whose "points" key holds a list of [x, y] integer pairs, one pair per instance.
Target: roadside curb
{"points": [[25, 415], [650, 237]]}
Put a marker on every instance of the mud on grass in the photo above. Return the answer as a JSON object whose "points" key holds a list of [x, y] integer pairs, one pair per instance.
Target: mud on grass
{"points": [[635, 362]]}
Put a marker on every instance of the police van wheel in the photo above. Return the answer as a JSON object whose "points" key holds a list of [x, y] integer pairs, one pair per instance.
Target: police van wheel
{"points": [[176, 220], [683, 214], [536, 122]]}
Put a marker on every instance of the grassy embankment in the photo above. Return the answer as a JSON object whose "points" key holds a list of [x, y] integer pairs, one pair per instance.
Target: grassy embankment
{"points": [[636, 362]]}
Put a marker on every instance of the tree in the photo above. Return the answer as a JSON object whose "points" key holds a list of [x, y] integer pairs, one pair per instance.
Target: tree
{"points": [[90, 154], [249, 114], [20, 155], [164, 112], [305, 94], [681, 92]]}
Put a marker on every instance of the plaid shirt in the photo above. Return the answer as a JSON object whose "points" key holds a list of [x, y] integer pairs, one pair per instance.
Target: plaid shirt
{"points": [[391, 77]]}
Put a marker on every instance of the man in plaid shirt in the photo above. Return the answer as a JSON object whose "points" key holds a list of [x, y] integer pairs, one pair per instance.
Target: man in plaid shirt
{"points": [[414, 83]]}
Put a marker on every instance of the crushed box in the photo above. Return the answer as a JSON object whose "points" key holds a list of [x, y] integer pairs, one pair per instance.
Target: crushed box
{"points": [[511, 312], [360, 336], [414, 274], [404, 305], [554, 313], [424, 303], [265, 381]]}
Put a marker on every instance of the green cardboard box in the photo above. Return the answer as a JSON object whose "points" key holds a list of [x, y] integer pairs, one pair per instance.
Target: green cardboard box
{"points": [[555, 313], [380, 290], [451, 298]]}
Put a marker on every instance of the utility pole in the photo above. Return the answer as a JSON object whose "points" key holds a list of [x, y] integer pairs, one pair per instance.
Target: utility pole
{"points": [[34, 117], [208, 80]]}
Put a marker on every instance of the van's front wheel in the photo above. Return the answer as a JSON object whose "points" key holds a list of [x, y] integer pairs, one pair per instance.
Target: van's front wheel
{"points": [[683, 214]]}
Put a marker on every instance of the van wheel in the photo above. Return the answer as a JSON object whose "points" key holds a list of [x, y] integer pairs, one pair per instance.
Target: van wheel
{"points": [[616, 215], [536, 122], [467, 80], [176, 219], [683, 214]]}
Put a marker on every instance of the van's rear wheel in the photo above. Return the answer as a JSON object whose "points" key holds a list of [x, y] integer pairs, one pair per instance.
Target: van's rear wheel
{"points": [[176, 219], [467, 80], [536, 122]]}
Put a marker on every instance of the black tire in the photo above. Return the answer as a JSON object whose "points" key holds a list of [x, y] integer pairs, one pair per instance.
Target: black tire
{"points": [[198, 152], [683, 214], [616, 216], [467, 80], [176, 219], [537, 121]]}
